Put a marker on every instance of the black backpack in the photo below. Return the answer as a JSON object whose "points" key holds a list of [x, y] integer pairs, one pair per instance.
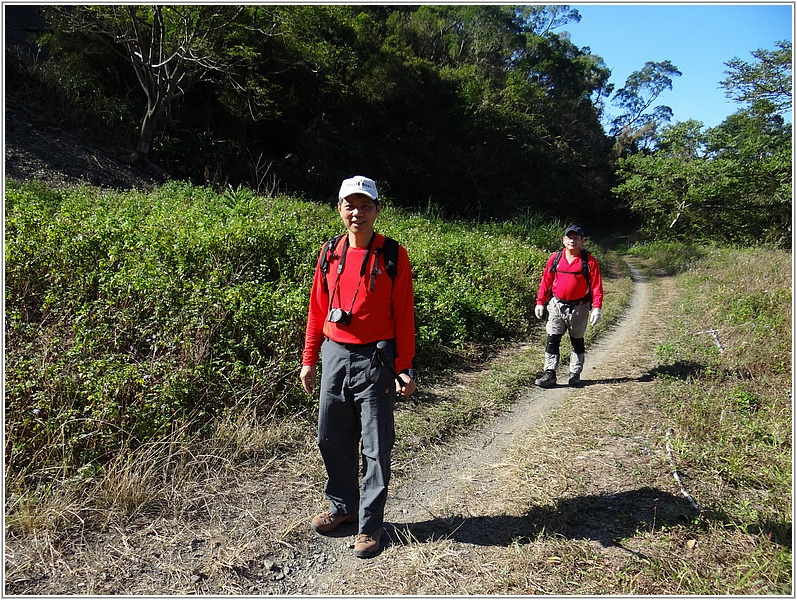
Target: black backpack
{"points": [[390, 250], [584, 270]]}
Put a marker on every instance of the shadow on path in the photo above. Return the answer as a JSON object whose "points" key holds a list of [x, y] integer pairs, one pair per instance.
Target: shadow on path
{"points": [[605, 518], [679, 370]]}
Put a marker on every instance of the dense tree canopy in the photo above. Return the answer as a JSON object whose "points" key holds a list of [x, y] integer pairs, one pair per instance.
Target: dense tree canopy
{"points": [[732, 182], [480, 111], [767, 79], [477, 110]]}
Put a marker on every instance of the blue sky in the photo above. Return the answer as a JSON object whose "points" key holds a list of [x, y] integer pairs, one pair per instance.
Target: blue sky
{"points": [[697, 38]]}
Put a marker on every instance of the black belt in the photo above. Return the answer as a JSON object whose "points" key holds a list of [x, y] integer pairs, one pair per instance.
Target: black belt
{"points": [[571, 303], [356, 347]]}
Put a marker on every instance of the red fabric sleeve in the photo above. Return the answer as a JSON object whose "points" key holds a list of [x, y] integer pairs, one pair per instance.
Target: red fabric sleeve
{"points": [[546, 283], [316, 315], [404, 313], [596, 282]]}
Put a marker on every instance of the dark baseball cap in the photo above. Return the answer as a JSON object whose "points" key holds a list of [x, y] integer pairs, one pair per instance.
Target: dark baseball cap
{"points": [[575, 228]]}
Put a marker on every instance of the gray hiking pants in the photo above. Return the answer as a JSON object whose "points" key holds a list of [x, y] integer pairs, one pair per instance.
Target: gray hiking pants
{"points": [[356, 404], [566, 318]]}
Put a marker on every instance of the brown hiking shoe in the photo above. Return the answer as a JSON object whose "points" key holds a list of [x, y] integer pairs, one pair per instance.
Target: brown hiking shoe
{"points": [[325, 522], [367, 544]]}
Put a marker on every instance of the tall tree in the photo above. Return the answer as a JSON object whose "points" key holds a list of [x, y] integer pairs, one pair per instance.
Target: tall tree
{"points": [[544, 18], [635, 128], [170, 47], [768, 78]]}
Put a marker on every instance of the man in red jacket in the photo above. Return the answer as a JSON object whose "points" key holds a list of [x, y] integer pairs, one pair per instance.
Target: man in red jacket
{"points": [[356, 305], [570, 289]]}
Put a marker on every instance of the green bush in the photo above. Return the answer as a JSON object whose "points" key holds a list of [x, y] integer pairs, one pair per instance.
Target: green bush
{"points": [[130, 314], [673, 257]]}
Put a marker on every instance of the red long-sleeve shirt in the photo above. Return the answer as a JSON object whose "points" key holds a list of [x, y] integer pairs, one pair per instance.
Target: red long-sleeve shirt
{"points": [[386, 313], [569, 283]]}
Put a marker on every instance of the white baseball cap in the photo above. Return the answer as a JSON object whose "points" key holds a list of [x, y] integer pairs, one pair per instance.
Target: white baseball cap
{"points": [[358, 185]]}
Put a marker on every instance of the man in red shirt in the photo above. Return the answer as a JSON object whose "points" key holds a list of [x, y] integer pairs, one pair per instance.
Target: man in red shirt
{"points": [[353, 308], [570, 292]]}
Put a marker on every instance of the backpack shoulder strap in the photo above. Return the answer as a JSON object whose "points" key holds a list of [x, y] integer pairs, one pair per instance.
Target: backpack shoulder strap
{"points": [[389, 250], [391, 254], [327, 255], [554, 264], [585, 272], [556, 260], [585, 265]]}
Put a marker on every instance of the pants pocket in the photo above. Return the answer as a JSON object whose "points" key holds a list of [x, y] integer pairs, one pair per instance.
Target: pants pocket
{"points": [[374, 371]]}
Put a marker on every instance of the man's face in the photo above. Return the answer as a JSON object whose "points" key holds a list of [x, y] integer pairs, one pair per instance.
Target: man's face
{"points": [[573, 242], [358, 212]]}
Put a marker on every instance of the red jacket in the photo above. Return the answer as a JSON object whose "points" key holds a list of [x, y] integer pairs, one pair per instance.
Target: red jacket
{"points": [[569, 283], [386, 313]]}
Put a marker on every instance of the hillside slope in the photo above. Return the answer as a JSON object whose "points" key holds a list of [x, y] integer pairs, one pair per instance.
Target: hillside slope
{"points": [[37, 149]]}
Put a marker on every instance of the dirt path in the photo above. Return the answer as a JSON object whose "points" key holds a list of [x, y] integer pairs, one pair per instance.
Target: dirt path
{"points": [[478, 466], [251, 536], [477, 457]]}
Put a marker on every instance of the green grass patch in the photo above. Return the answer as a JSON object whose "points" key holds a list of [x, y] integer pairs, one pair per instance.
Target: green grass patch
{"points": [[725, 383], [133, 317]]}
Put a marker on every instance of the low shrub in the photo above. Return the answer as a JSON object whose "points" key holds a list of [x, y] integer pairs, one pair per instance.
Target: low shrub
{"points": [[726, 385], [132, 315]]}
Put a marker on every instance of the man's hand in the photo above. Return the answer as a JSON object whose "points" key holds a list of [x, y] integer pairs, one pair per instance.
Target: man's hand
{"points": [[539, 311], [595, 316], [307, 376], [409, 385]]}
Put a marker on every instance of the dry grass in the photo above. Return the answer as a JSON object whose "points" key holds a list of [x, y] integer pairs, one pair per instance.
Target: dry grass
{"points": [[586, 503], [158, 476]]}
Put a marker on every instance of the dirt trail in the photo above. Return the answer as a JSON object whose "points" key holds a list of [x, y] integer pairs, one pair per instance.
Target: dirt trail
{"points": [[251, 535], [481, 452], [477, 465]]}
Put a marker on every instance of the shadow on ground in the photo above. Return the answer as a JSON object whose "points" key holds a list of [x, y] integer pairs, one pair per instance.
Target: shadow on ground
{"points": [[682, 370], [605, 518]]}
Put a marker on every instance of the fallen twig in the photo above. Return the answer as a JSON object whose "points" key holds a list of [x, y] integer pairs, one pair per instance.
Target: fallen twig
{"points": [[716, 337], [684, 493]]}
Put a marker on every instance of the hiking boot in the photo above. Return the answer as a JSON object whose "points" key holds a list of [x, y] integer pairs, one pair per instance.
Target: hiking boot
{"points": [[547, 380], [325, 522], [367, 544], [575, 380]]}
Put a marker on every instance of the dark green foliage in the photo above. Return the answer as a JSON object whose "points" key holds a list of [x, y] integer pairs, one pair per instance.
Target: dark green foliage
{"points": [[130, 314], [731, 183], [481, 110]]}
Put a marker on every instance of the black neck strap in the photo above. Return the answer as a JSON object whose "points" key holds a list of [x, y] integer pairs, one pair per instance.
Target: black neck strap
{"points": [[342, 265]]}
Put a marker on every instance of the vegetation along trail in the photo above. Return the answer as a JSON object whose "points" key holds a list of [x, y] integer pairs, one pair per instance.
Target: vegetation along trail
{"points": [[157, 437], [455, 527]]}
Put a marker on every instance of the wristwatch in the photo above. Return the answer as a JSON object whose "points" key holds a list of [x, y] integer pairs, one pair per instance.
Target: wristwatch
{"points": [[410, 372]]}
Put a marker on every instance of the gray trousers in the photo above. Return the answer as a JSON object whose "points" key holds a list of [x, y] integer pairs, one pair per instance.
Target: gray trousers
{"points": [[566, 319], [356, 404]]}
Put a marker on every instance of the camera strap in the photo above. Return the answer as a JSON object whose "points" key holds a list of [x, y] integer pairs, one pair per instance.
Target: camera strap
{"points": [[363, 267]]}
